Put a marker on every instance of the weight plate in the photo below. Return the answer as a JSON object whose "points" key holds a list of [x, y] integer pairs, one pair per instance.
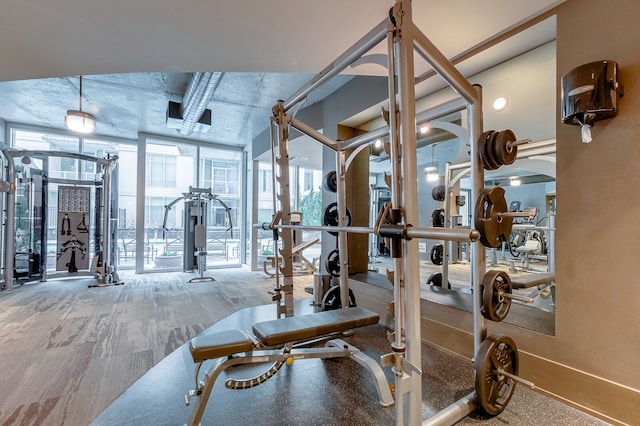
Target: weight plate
{"points": [[332, 264], [495, 306], [493, 229], [437, 218], [504, 154], [330, 217], [436, 280], [488, 152], [439, 193], [482, 140], [494, 390], [332, 299], [436, 254], [330, 182]]}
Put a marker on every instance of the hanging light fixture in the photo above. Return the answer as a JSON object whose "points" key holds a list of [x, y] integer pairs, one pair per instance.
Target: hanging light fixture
{"points": [[78, 120], [432, 171]]}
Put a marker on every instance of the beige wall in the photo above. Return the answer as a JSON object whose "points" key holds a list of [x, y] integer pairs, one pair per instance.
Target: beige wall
{"points": [[594, 360]]}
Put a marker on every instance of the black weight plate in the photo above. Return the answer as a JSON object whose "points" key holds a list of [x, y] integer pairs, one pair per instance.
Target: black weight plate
{"points": [[330, 217], [436, 280], [436, 254], [504, 154], [439, 193], [488, 152], [330, 182], [437, 218], [482, 141], [495, 306], [493, 229], [332, 299], [494, 390], [332, 264]]}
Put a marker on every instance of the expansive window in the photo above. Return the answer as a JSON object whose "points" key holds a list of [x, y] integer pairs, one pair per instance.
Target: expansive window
{"points": [[213, 175], [220, 171]]}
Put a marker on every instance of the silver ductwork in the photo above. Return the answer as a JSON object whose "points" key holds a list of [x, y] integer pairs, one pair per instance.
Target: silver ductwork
{"points": [[199, 92]]}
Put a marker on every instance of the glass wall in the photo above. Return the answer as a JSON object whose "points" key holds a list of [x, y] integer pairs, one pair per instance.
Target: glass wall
{"points": [[306, 197], [215, 177], [170, 168]]}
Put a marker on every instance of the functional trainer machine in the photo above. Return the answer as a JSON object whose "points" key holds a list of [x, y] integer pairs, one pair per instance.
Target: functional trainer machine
{"points": [[26, 187], [195, 228]]}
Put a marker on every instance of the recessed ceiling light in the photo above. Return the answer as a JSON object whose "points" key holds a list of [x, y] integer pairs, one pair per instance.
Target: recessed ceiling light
{"points": [[500, 103], [424, 129]]}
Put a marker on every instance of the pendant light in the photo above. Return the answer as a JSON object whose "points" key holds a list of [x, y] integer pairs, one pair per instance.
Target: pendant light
{"points": [[78, 120], [432, 171]]}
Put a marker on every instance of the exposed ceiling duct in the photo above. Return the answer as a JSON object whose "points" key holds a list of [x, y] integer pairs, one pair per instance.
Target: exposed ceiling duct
{"points": [[197, 96]]}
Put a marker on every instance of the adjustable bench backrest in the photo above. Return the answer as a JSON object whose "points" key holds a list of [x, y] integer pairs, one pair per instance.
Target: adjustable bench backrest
{"points": [[306, 327]]}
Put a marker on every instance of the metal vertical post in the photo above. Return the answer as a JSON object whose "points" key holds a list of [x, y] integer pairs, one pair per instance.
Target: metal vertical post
{"points": [[478, 253], [106, 220], [9, 241], [283, 194], [342, 221], [407, 101], [447, 223]]}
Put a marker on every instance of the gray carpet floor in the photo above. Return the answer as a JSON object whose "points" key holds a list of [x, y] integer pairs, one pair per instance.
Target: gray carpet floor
{"points": [[67, 352]]}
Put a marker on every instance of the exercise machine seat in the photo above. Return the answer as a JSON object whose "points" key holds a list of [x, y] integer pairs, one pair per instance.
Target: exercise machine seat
{"points": [[215, 345], [530, 246], [306, 327]]}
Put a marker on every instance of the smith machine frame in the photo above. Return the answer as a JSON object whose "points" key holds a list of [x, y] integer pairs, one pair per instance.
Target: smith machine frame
{"points": [[403, 39]]}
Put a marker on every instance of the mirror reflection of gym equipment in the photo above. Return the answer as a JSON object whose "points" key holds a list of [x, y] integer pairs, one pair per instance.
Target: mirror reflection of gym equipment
{"points": [[195, 241], [76, 254]]}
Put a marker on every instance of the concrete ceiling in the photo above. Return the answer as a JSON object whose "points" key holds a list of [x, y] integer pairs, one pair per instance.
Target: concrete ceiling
{"points": [[138, 55]]}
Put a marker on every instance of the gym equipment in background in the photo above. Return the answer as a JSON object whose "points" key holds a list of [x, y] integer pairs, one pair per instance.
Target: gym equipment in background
{"points": [[27, 209], [195, 239]]}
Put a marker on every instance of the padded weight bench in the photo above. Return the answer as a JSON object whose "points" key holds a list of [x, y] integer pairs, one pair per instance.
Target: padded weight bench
{"points": [[533, 280], [275, 341]]}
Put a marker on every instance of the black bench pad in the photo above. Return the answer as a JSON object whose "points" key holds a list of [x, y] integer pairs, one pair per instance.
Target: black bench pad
{"points": [[219, 344], [306, 327], [533, 280]]}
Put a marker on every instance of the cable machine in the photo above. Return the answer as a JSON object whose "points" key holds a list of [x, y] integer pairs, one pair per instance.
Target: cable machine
{"points": [[78, 253], [195, 228]]}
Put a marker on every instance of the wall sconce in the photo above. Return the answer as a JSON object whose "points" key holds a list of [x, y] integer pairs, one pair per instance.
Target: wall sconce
{"points": [[500, 103], [377, 147]]}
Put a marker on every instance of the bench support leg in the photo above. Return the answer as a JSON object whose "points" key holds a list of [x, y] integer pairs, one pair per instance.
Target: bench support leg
{"points": [[382, 385]]}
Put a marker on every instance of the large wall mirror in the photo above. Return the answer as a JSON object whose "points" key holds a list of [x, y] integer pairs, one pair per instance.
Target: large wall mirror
{"points": [[527, 86]]}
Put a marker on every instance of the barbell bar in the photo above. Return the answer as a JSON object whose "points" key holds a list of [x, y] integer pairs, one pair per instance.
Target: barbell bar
{"points": [[518, 379], [391, 231], [516, 214], [512, 296], [518, 142]]}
